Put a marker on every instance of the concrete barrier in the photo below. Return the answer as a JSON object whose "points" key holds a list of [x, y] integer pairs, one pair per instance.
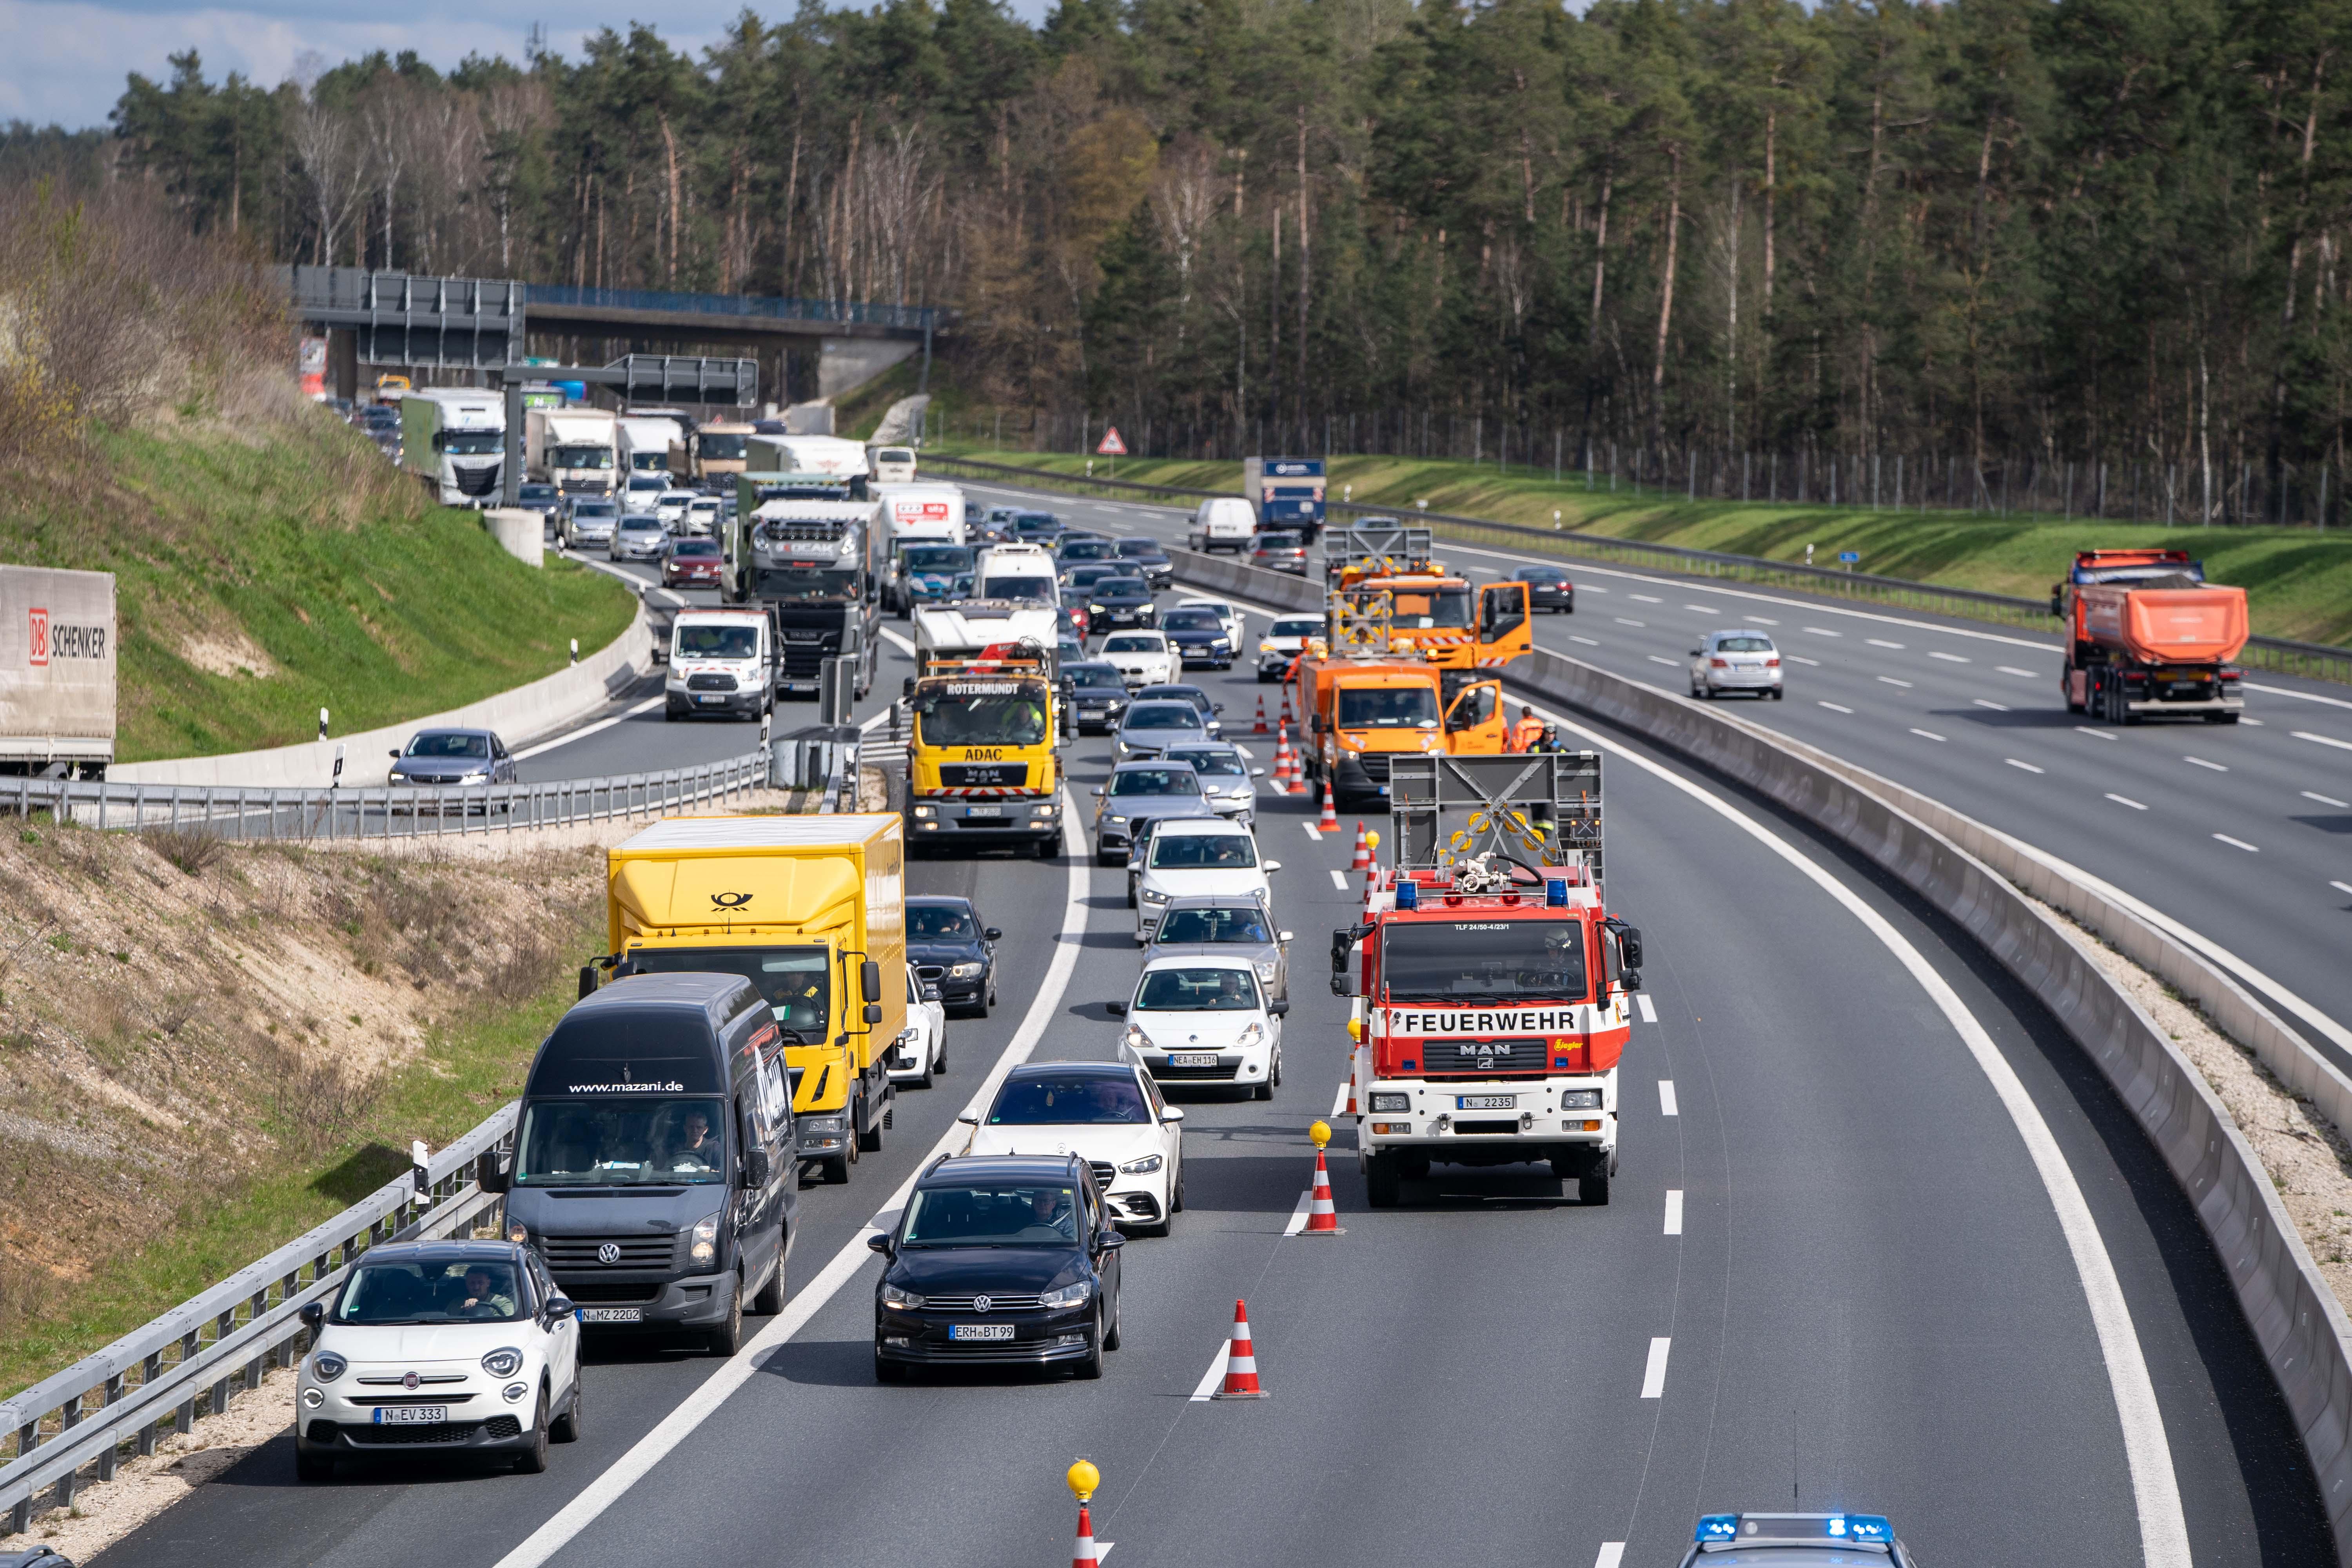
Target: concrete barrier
{"points": [[521, 535], [527, 713], [1973, 876]]}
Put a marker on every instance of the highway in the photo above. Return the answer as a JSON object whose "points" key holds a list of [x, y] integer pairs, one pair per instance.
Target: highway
{"points": [[2242, 835], [1834, 1272]]}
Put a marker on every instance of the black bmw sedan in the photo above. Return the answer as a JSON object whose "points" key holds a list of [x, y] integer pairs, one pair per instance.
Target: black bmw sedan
{"points": [[951, 949]]}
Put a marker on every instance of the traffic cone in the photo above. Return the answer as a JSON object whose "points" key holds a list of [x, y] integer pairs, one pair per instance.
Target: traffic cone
{"points": [[1286, 720], [1084, 1480], [1322, 1219], [1241, 1361], [1259, 727], [1364, 859], [1330, 819], [1351, 1087], [1282, 761], [1084, 1554]]}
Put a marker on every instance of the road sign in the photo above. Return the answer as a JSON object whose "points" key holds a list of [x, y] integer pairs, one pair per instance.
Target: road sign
{"points": [[1849, 556], [1112, 447]]}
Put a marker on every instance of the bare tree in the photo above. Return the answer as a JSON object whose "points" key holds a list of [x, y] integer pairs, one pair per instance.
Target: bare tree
{"points": [[326, 144]]}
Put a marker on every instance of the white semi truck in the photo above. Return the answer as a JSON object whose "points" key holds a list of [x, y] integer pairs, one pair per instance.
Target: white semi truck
{"points": [[56, 672], [646, 441], [574, 449], [834, 456], [454, 438]]}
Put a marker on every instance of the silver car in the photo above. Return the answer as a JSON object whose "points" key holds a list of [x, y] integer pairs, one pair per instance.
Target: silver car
{"points": [[1226, 777], [639, 537], [1212, 926], [589, 523], [1735, 662], [1140, 792], [1148, 729]]}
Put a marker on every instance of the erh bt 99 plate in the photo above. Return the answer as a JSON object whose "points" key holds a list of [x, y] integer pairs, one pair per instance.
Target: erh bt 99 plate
{"points": [[411, 1415], [980, 1330]]}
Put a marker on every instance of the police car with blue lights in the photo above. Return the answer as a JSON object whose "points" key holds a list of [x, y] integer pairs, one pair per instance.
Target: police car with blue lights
{"points": [[1796, 1541]]}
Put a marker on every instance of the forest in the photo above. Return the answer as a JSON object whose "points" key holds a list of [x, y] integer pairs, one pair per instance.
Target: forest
{"points": [[1996, 242]]}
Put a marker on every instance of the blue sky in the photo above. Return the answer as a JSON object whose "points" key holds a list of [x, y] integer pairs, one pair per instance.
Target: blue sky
{"points": [[67, 60]]}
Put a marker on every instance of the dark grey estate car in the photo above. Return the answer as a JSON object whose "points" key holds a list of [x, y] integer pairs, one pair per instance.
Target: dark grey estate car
{"points": [[1144, 792], [1219, 926]]}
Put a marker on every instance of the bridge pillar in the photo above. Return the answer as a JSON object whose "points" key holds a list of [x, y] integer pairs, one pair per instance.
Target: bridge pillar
{"points": [[848, 363]]}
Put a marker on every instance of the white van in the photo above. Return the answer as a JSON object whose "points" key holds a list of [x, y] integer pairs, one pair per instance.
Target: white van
{"points": [[1018, 571], [720, 661], [895, 466], [921, 514], [1222, 522]]}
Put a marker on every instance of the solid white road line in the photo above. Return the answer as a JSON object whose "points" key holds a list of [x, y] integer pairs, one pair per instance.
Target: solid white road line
{"points": [[2239, 844], [2029, 767], [1216, 1375], [1613, 1555], [2322, 740], [2217, 767], [1654, 1375], [2327, 800], [1338, 879], [2147, 1452], [1832, 707], [581, 733], [1929, 734], [1298, 1215], [1673, 1211], [1667, 1104], [601, 1492], [2269, 690], [1649, 1009], [1313, 832], [2125, 800]]}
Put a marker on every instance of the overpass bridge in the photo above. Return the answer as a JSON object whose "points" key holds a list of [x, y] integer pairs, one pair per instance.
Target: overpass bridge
{"points": [[413, 320]]}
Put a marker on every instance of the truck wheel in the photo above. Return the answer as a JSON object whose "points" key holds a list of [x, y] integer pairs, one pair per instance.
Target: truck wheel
{"points": [[835, 1170], [1592, 1188], [1381, 1180], [1049, 848], [770, 1298], [870, 1141]]}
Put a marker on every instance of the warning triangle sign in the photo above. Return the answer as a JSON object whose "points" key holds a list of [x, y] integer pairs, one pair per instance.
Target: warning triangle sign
{"points": [[1111, 447]]}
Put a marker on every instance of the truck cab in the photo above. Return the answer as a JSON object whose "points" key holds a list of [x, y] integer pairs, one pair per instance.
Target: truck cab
{"points": [[983, 768], [720, 661], [810, 553]]}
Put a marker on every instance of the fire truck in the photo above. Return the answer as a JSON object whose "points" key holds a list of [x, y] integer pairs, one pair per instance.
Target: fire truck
{"points": [[1491, 988]]}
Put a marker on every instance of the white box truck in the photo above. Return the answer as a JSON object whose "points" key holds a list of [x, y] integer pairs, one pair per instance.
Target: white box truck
{"points": [[56, 672], [646, 442], [574, 449], [929, 513], [454, 438], [834, 455]]}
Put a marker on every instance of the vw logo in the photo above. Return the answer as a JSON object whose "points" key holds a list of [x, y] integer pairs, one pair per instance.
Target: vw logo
{"points": [[608, 1253], [411, 1381], [981, 1304]]}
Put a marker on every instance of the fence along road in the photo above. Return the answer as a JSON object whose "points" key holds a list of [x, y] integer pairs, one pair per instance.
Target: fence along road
{"points": [[1969, 714]]}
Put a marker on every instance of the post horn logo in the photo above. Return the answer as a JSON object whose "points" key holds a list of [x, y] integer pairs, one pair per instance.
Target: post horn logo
{"points": [[731, 900]]}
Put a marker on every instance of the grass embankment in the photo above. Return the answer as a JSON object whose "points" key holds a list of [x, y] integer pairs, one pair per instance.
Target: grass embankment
{"points": [[258, 580], [2298, 582]]}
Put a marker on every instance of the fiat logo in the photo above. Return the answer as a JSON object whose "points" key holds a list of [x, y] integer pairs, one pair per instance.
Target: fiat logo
{"points": [[608, 1253], [981, 1304], [411, 1381]]}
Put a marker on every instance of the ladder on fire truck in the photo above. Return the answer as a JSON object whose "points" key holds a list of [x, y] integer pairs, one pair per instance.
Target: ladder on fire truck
{"points": [[1541, 809]]}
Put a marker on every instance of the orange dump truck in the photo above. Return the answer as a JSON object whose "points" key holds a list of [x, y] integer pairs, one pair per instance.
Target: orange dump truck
{"points": [[2146, 636], [1361, 711]]}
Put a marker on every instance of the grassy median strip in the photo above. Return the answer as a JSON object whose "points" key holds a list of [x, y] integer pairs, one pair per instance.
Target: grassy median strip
{"points": [[2298, 581]]}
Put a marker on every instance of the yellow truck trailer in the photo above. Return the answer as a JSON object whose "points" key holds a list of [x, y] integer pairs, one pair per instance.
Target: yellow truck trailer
{"points": [[813, 910]]}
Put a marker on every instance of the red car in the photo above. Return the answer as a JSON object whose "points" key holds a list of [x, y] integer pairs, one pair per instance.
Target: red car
{"points": [[691, 562]]}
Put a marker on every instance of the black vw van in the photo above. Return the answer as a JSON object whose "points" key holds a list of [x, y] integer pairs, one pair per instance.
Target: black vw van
{"points": [[653, 1167]]}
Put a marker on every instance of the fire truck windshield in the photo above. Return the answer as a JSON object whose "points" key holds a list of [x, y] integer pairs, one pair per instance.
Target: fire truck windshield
{"points": [[1012, 719], [1482, 961]]}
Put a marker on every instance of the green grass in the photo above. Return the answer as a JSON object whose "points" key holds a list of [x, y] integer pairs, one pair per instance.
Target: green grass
{"points": [[359, 597], [2298, 581], [460, 1077]]}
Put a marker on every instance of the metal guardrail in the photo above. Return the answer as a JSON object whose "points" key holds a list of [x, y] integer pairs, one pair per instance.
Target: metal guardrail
{"points": [[2282, 656], [855, 313], [385, 812], [197, 1355]]}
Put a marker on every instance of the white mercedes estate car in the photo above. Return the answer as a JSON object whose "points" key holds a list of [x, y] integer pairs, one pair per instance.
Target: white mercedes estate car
{"points": [[1109, 1114]]}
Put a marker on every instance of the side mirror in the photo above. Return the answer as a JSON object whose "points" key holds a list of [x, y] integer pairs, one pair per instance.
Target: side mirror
{"points": [[932, 993], [1108, 1241], [1633, 979], [873, 1013], [909, 689], [869, 981], [559, 1307], [991, 934], [1339, 984], [1283, 936], [880, 1244], [1216, 707], [1257, 773], [969, 1118], [1171, 1113], [393, 753], [1274, 865], [1116, 1009], [313, 1316], [1629, 941], [756, 1168], [490, 1172], [1277, 1009], [1696, 652], [587, 981], [1098, 789]]}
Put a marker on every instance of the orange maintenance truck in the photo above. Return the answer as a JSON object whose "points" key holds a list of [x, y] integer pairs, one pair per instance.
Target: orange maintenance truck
{"points": [[2146, 636], [1362, 709], [1389, 594]]}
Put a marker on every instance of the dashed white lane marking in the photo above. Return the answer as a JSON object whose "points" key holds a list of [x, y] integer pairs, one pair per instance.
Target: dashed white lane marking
{"points": [[2029, 767], [1591, 588], [2341, 887], [1586, 641], [647, 706], [2125, 800], [1764, 620], [1890, 681], [1340, 1101], [1832, 707], [1298, 1215], [1653, 1376], [1613, 1555], [1928, 734], [2322, 739], [1623, 621], [2239, 844], [2327, 799], [1666, 1105], [1647, 598], [1649, 1009], [2012, 669], [2096, 734], [1988, 702], [1214, 1375], [1824, 632], [1338, 879], [1703, 609], [1673, 1211], [2243, 719], [1669, 663], [1800, 659], [1882, 642], [2201, 762], [1950, 658], [1313, 832]]}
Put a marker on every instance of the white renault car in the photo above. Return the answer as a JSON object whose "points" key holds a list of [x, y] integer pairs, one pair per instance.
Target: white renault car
{"points": [[1110, 1115], [1202, 1020], [439, 1347], [922, 1047], [1142, 659], [1196, 855]]}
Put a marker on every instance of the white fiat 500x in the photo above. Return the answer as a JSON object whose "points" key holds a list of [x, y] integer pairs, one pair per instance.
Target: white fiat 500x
{"points": [[1205, 1021], [439, 1347], [1204, 855], [1110, 1115]]}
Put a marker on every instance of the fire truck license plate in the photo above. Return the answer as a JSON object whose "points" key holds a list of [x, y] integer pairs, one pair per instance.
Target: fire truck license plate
{"points": [[1192, 1059], [983, 811], [1485, 1101], [411, 1415], [980, 1330]]}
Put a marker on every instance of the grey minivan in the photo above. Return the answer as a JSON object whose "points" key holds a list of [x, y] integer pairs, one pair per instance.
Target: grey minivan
{"points": [[654, 1167]]}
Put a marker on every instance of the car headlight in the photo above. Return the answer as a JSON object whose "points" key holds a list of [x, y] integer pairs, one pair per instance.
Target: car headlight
{"points": [[924, 811], [1137, 1040], [1391, 1102], [820, 1123], [1253, 1036], [1074, 1295], [1267, 647], [1094, 609], [1575, 1100], [1117, 818], [517, 1232], [1222, 643], [966, 971], [706, 1240], [904, 1301], [1264, 971], [1142, 1167], [1149, 897], [504, 1362], [326, 1366]]}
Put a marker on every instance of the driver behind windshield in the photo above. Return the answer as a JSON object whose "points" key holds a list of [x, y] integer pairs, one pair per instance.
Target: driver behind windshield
{"points": [[696, 1147]]}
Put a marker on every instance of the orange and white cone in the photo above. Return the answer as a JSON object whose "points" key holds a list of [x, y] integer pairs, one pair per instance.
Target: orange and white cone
{"points": [[1322, 1219], [1286, 720], [1330, 819], [1352, 1089], [1085, 1555], [1259, 727], [1363, 857], [1241, 1361]]}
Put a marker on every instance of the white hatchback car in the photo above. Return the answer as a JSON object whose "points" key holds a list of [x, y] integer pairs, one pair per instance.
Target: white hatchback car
{"points": [[1735, 662], [922, 1047], [1229, 617], [1110, 1115], [1197, 855], [703, 515], [439, 1347], [671, 507], [1200, 1020], [1142, 659]]}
